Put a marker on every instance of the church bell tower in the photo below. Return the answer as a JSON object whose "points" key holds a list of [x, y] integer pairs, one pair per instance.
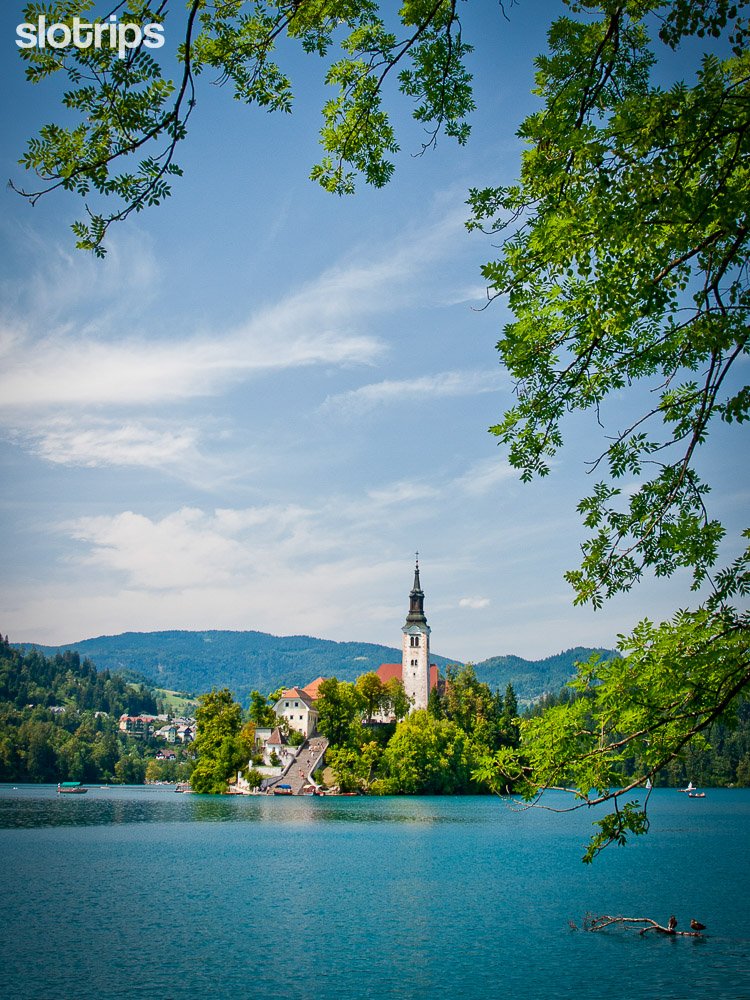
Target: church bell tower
{"points": [[416, 648]]}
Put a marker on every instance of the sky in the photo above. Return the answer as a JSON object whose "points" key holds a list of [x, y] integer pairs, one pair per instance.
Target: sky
{"points": [[267, 398]]}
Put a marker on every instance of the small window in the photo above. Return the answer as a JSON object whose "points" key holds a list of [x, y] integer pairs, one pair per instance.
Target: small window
{"points": [[414, 640]]}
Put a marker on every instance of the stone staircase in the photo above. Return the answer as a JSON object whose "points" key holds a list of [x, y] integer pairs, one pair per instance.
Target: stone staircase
{"points": [[299, 772]]}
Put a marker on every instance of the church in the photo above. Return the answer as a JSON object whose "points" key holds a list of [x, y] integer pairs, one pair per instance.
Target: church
{"points": [[415, 671], [297, 705]]}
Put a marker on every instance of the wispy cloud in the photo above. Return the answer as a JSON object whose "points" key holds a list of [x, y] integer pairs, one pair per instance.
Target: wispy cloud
{"points": [[233, 564], [111, 443], [78, 372], [405, 391], [69, 348], [475, 603], [402, 492], [485, 476]]}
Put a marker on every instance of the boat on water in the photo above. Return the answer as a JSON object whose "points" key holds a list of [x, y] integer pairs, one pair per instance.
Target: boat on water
{"points": [[183, 786], [696, 795], [690, 788], [282, 790], [71, 788]]}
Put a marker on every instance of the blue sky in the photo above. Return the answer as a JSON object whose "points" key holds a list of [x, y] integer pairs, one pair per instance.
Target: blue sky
{"points": [[266, 398]]}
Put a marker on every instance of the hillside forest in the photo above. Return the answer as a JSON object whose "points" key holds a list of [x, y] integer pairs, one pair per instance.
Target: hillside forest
{"points": [[243, 661], [59, 721]]}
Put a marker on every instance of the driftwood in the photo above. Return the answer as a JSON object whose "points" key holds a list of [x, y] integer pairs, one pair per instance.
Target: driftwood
{"points": [[642, 924]]}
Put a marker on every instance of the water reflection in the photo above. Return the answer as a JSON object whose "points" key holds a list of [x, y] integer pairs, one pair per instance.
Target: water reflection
{"points": [[34, 806]]}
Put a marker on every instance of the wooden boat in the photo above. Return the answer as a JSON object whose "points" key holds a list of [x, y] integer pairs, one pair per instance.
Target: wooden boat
{"points": [[696, 795], [183, 786], [71, 788], [282, 790]]}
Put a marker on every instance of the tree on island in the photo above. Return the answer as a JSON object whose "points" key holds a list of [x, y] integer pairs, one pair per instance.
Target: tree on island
{"points": [[625, 264], [429, 752], [219, 744], [428, 756], [371, 690], [340, 706], [261, 710]]}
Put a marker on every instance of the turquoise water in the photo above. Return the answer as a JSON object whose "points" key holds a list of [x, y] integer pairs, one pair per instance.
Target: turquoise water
{"points": [[138, 892]]}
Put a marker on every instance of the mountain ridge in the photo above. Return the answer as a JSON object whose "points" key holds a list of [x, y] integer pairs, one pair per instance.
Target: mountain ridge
{"points": [[197, 660]]}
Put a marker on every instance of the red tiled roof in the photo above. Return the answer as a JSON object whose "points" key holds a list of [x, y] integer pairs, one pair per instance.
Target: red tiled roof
{"points": [[291, 693], [387, 671], [298, 694], [311, 689]]}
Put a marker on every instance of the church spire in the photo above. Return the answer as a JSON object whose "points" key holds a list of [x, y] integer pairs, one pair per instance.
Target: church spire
{"points": [[415, 647], [416, 600]]}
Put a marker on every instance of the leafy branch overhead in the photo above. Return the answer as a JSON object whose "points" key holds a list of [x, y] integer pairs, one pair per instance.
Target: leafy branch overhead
{"points": [[624, 259], [129, 118], [625, 262]]}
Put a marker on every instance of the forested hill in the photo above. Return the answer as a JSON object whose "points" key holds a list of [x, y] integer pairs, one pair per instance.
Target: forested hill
{"points": [[242, 661], [533, 678], [30, 679], [247, 661], [59, 718]]}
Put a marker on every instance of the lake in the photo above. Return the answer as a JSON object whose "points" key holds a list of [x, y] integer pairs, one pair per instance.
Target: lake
{"points": [[138, 892]]}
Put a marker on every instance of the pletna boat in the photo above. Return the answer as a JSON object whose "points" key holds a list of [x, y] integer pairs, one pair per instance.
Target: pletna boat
{"points": [[71, 788]]}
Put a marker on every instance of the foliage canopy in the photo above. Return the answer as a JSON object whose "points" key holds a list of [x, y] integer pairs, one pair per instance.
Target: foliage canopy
{"points": [[59, 719], [129, 118], [625, 261], [220, 743]]}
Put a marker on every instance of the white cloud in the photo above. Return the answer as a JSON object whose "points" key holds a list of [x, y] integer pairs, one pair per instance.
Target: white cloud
{"points": [[282, 569], [405, 391], [475, 603], [80, 372], [485, 476], [475, 295], [402, 492], [183, 550], [109, 443], [99, 360]]}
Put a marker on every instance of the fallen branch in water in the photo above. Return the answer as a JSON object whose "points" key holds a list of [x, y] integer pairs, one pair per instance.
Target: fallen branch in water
{"points": [[642, 924]]}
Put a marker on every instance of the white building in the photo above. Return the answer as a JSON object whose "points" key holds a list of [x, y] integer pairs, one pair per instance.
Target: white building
{"points": [[298, 708]]}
